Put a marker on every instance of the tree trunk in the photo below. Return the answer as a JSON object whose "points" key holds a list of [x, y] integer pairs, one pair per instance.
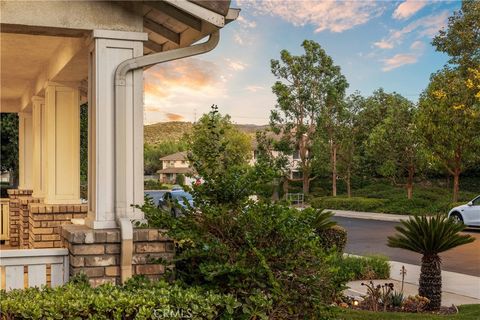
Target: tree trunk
{"points": [[285, 187], [349, 188], [306, 184], [430, 283], [334, 169], [456, 185], [411, 173]]}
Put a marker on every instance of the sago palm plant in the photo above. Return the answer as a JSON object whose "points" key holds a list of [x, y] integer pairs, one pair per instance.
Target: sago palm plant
{"points": [[429, 236]]}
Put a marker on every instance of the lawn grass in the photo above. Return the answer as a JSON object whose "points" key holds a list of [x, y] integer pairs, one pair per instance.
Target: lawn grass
{"points": [[467, 312], [385, 198]]}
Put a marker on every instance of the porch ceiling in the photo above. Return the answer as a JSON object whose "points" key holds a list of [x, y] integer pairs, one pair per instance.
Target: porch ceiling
{"points": [[33, 52]]}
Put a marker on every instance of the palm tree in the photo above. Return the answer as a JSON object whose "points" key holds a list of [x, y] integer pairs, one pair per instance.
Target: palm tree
{"points": [[430, 236]]}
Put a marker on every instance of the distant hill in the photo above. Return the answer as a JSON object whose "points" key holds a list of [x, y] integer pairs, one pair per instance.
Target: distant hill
{"points": [[175, 130]]}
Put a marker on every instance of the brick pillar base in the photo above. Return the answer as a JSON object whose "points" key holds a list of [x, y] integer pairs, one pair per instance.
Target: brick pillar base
{"points": [[24, 223], [16, 221], [97, 252], [45, 221]]}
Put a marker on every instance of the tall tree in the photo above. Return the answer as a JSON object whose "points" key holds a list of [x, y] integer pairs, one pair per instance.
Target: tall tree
{"points": [[9, 145], [394, 142], [448, 120], [348, 139], [220, 153], [461, 39], [307, 84]]}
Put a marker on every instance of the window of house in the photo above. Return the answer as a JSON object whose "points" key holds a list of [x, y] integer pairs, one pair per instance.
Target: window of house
{"points": [[296, 155]]}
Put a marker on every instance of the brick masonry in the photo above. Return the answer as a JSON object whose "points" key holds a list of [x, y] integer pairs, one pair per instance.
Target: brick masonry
{"points": [[17, 225], [45, 221], [97, 252]]}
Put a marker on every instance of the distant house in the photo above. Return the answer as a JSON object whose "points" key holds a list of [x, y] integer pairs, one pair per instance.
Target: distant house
{"points": [[174, 165]]}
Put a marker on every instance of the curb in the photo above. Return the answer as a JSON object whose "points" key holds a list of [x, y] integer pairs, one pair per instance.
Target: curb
{"points": [[369, 215]]}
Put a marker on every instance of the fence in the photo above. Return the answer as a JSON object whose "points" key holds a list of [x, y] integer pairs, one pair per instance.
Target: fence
{"points": [[33, 268], [295, 199], [4, 219]]}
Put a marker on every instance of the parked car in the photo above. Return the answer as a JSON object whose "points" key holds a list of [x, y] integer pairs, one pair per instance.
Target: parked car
{"points": [[155, 195], [468, 213], [176, 201]]}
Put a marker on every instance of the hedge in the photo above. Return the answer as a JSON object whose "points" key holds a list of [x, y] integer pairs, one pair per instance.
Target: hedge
{"points": [[138, 299], [353, 203], [335, 236]]}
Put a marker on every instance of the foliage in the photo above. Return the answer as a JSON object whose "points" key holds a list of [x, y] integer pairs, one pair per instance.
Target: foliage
{"points": [[466, 312], [153, 152], [385, 198], [152, 184], [395, 145], [266, 255], [362, 268], [429, 237], [334, 237], [461, 39], [137, 299], [180, 179], [306, 85], [354, 203], [380, 294], [415, 303], [9, 143], [219, 153], [448, 121]]}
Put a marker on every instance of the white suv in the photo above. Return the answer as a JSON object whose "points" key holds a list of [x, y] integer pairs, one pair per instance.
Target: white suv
{"points": [[468, 213]]}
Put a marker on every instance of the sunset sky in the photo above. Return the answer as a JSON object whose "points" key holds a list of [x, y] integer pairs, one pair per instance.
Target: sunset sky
{"points": [[376, 44]]}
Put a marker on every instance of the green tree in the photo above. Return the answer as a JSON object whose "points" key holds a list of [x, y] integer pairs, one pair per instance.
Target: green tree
{"points": [[395, 144], [9, 145], [461, 39], [448, 121], [307, 85], [220, 154], [347, 139], [429, 236]]}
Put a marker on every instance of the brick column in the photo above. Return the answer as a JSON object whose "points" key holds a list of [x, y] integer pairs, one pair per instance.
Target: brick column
{"points": [[24, 223], [15, 195], [96, 252], [46, 220]]}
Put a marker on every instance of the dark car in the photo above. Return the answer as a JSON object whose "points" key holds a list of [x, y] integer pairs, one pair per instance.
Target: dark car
{"points": [[155, 195], [176, 201]]}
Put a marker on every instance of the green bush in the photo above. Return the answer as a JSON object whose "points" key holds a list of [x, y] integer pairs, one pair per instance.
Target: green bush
{"points": [[353, 203], [152, 184], [137, 299], [267, 256], [334, 237], [362, 268]]}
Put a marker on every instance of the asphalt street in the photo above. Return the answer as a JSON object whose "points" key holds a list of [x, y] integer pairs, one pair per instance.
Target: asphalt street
{"points": [[370, 237]]}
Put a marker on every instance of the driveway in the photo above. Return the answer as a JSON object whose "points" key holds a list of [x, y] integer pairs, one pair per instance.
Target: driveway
{"points": [[370, 237]]}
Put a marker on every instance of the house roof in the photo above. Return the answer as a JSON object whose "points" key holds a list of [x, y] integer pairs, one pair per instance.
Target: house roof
{"points": [[176, 170], [179, 156]]}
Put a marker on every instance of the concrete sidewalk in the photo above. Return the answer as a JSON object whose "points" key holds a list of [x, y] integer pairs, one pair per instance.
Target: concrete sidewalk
{"points": [[357, 290], [369, 215], [457, 288]]}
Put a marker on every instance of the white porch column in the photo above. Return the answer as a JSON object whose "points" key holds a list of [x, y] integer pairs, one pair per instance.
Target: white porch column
{"points": [[62, 139], [25, 148], [107, 50], [39, 146]]}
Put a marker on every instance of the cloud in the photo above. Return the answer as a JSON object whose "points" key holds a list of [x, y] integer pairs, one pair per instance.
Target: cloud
{"points": [[408, 8], [236, 65], [398, 60], [174, 117], [427, 26], [244, 22], [253, 88], [417, 49], [335, 16], [383, 44]]}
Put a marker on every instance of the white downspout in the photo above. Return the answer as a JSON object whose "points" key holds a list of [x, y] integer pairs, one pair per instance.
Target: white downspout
{"points": [[124, 222]]}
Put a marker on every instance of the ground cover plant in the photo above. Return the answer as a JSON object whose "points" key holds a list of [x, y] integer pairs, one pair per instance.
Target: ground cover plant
{"points": [[385, 198]]}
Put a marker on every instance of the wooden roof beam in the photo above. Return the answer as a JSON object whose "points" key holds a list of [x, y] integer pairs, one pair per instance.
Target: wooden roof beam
{"points": [[161, 30], [152, 45], [177, 14]]}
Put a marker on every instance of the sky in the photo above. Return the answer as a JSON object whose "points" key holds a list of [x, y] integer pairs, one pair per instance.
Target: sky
{"points": [[377, 44]]}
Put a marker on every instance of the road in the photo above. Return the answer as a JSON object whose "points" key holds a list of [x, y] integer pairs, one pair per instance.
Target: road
{"points": [[370, 237]]}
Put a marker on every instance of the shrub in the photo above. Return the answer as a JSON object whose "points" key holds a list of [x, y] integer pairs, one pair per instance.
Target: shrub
{"points": [[353, 203], [364, 268], [266, 255], [137, 299], [333, 237], [153, 185]]}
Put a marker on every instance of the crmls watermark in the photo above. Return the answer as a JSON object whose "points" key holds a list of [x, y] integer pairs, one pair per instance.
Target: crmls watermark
{"points": [[173, 314]]}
